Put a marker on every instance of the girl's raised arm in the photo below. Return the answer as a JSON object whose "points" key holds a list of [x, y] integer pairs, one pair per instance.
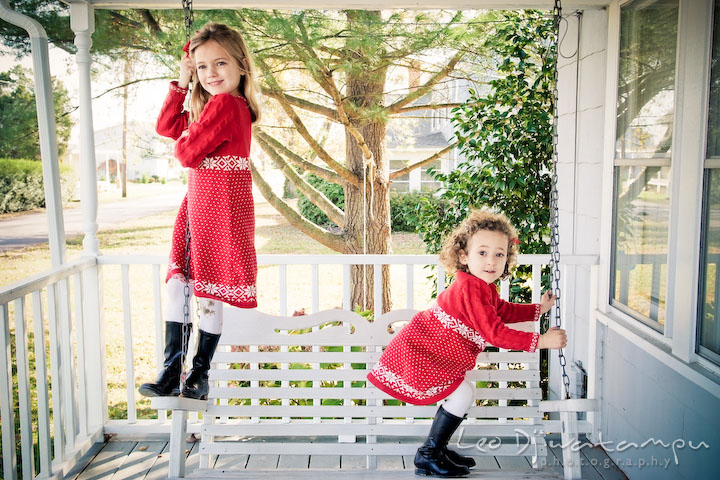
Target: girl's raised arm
{"points": [[212, 128], [173, 121]]}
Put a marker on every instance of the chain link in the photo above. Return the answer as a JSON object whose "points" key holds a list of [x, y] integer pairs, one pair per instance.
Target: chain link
{"points": [[187, 322], [189, 17], [554, 207]]}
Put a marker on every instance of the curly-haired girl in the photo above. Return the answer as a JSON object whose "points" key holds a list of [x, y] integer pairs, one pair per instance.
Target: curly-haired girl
{"points": [[427, 361]]}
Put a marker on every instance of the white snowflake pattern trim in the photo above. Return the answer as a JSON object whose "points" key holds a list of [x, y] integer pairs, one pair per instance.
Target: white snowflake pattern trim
{"points": [[225, 162], [397, 384], [537, 313], [448, 321], [534, 342], [174, 266], [233, 294], [177, 89]]}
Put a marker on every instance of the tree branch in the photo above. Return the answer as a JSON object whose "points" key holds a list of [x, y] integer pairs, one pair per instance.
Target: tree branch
{"points": [[412, 96], [346, 174], [122, 18], [297, 160], [324, 77], [409, 168], [336, 215], [332, 241], [433, 106], [151, 22], [304, 104]]}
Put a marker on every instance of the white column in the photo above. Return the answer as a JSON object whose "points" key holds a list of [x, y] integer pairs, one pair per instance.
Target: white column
{"points": [[82, 22], [46, 128]]}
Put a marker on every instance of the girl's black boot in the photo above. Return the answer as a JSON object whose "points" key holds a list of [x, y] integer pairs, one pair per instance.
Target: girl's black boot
{"points": [[431, 459], [168, 382], [196, 383]]}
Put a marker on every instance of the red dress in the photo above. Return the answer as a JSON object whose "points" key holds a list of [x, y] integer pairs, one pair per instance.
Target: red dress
{"points": [[427, 360], [216, 149]]}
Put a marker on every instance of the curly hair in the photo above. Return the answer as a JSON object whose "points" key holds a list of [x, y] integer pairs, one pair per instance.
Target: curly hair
{"points": [[457, 242]]}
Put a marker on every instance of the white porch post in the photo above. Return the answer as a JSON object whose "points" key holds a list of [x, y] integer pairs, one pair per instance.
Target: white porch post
{"points": [[46, 129], [82, 22]]}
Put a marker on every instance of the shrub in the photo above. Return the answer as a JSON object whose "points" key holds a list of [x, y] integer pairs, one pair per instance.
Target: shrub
{"points": [[405, 209], [22, 188]]}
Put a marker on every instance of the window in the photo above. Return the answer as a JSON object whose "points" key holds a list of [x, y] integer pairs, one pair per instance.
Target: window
{"points": [[401, 183], [708, 335], [645, 115], [427, 181]]}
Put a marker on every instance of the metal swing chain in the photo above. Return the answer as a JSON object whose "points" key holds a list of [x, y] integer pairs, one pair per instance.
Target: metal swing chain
{"points": [[554, 210], [189, 17], [187, 324]]}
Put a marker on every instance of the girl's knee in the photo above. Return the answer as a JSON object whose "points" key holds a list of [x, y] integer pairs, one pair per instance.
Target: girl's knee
{"points": [[211, 315]]}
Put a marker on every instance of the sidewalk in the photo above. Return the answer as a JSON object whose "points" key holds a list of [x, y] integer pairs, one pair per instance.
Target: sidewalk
{"points": [[18, 231]]}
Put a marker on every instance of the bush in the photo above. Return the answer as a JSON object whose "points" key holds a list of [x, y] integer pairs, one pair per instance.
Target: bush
{"points": [[21, 184], [332, 191], [404, 207]]}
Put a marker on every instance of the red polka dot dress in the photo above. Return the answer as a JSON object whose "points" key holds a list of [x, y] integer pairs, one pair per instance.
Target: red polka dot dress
{"points": [[219, 203], [427, 360]]}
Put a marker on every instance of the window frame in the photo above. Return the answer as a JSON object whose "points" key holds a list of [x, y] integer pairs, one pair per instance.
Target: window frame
{"points": [[658, 160], [694, 50]]}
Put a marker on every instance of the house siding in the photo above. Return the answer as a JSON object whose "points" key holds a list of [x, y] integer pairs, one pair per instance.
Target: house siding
{"points": [[645, 400], [581, 110]]}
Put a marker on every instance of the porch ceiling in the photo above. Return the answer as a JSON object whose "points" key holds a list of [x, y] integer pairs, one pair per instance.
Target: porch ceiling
{"points": [[342, 4]]}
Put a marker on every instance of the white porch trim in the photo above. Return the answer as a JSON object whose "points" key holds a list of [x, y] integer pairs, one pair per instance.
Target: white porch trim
{"points": [[82, 22], [46, 128]]}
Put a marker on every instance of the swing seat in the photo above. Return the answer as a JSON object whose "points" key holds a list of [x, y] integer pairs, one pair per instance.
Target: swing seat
{"points": [[314, 400], [568, 410]]}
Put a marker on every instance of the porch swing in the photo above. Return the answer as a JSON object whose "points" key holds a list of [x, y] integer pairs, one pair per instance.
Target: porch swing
{"points": [[567, 408]]}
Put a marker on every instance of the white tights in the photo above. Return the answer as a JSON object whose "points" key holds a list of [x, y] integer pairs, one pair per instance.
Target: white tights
{"points": [[459, 402], [211, 311]]}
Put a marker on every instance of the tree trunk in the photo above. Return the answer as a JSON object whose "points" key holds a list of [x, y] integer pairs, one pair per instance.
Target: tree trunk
{"points": [[368, 210], [122, 173]]}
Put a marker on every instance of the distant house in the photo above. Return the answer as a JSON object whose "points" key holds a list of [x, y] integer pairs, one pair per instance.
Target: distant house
{"points": [[148, 154], [421, 134]]}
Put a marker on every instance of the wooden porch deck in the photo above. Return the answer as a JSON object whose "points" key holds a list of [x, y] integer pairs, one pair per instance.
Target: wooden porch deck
{"points": [[148, 460]]}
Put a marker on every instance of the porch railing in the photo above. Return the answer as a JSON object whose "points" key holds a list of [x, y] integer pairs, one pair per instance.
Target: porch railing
{"points": [[68, 394]]}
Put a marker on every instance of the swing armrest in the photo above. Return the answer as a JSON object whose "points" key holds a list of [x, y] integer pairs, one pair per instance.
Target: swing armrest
{"points": [[571, 405], [178, 403]]}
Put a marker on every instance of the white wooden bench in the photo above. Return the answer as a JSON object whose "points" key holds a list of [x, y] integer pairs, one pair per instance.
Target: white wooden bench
{"points": [[297, 385]]}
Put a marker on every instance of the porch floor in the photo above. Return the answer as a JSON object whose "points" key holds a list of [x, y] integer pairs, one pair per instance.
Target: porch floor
{"points": [[146, 460]]}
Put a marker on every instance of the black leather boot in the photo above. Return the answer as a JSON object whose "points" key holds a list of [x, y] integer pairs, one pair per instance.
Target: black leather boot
{"points": [[168, 382], [431, 459], [196, 384], [455, 457], [458, 459]]}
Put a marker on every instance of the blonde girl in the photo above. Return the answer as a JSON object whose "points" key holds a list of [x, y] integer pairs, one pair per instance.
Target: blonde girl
{"points": [[213, 142]]}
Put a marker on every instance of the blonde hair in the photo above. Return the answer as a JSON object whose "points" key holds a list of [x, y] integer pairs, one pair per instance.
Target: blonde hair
{"points": [[457, 242], [232, 42]]}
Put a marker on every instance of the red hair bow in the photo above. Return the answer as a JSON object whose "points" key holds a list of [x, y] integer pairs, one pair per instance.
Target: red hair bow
{"points": [[516, 241], [186, 48]]}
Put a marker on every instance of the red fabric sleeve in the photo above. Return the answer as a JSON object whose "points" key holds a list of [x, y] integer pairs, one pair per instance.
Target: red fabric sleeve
{"points": [[209, 132], [172, 120], [518, 312], [484, 319]]}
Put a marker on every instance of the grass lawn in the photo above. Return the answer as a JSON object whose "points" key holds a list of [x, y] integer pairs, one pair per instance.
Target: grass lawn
{"points": [[151, 235]]}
